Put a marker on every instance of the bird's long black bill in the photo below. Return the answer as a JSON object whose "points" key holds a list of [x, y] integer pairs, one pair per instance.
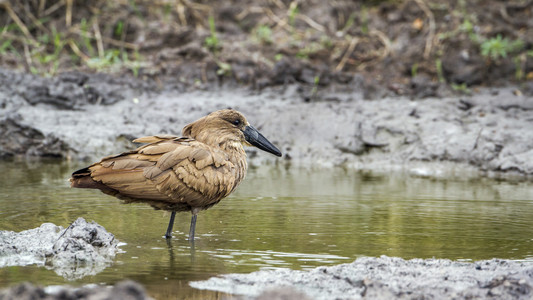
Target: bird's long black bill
{"points": [[255, 138]]}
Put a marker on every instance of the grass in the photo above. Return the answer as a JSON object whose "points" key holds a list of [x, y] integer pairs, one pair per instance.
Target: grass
{"points": [[263, 35], [493, 48], [211, 42], [314, 90], [414, 70], [224, 69], [498, 47], [293, 12], [461, 88], [440, 72], [43, 43], [46, 46]]}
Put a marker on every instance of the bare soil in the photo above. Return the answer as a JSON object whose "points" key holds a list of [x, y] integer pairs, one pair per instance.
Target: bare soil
{"points": [[417, 48]]}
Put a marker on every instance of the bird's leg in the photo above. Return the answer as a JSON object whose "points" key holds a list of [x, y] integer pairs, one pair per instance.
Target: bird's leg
{"points": [[168, 235], [193, 224]]}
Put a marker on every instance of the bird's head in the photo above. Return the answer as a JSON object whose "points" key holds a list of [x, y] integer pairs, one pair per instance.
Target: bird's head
{"points": [[228, 126]]}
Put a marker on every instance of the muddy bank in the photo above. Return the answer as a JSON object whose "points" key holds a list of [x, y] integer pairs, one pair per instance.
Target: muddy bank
{"points": [[365, 278], [385, 278], [80, 250], [489, 131]]}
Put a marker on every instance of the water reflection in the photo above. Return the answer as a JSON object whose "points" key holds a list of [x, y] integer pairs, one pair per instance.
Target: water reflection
{"points": [[278, 217]]}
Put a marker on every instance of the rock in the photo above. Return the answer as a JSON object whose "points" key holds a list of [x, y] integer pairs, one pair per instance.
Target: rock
{"points": [[386, 278], [20, 139], [23, 291], [80, 250], [423, 87], [463, 66], [126, 290]]}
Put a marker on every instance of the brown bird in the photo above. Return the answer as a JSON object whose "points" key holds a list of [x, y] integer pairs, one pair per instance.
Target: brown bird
{"points": [[189, 173]]}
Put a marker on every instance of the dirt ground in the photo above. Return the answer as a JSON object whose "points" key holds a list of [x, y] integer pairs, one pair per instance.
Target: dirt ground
{"points": [[417, 48]]}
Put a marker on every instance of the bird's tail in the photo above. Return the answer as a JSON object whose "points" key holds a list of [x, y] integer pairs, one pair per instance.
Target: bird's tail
{"points": [[82, 179]]}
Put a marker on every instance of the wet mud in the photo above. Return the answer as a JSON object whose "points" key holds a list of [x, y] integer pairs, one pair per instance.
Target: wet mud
{"points": [[365, 278], [385, 278], [486, 133], [82, 249]]}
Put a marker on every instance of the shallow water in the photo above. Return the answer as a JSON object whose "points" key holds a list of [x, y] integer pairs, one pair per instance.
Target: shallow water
{"points": [[278, 217]]}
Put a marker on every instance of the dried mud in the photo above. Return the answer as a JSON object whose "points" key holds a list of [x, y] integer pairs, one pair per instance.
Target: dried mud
{"points": [[486, 133]]}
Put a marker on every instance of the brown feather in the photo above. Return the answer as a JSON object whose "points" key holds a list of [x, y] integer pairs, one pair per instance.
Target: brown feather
{"points": [[155, 138], [192, 172]]}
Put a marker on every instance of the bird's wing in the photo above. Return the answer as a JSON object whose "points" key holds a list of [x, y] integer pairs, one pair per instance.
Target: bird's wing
{"points": [[155, 138], [169, 169]]}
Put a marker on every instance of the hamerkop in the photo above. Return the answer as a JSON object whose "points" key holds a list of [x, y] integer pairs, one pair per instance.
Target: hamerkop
{"points": [[189, 173]]}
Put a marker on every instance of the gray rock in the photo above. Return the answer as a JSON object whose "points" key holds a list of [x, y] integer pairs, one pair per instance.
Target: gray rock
{"points": [[80, 250], [20, 139], [386, 278], [126, 290]]}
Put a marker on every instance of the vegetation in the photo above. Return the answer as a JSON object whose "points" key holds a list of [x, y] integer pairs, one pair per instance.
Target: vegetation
{"points": [[211, 41], [47, 37], [499, 47], [263, 34], [45, 45]]}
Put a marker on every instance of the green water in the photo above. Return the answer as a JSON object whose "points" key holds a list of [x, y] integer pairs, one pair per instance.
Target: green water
{"points": [[278, 217]]}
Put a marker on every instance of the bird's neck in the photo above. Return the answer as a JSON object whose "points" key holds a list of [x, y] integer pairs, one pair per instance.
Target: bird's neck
{"points": [[226, 143], [237, 156], [233, 148], [220, 140]]}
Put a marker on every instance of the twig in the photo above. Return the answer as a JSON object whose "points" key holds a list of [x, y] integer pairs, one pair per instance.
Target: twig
{"points": [[254, 9], [36, 21], [281, 23], [77, 51], [53, 8], [384, 40], [107, 40], [68, 13], [13, 15], [311, 23], [27, 56], [194, 8], [279, 4], [98, 37], [180, 9], [42, 5], [431, 34], [347, 54], [66, 229], [520, 6]]}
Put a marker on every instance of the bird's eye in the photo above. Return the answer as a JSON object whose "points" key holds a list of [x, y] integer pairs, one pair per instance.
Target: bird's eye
{"points": [[237, 122]]}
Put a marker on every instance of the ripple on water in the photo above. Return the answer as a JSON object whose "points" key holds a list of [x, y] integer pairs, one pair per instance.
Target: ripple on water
{"points": [[278, 218]]}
